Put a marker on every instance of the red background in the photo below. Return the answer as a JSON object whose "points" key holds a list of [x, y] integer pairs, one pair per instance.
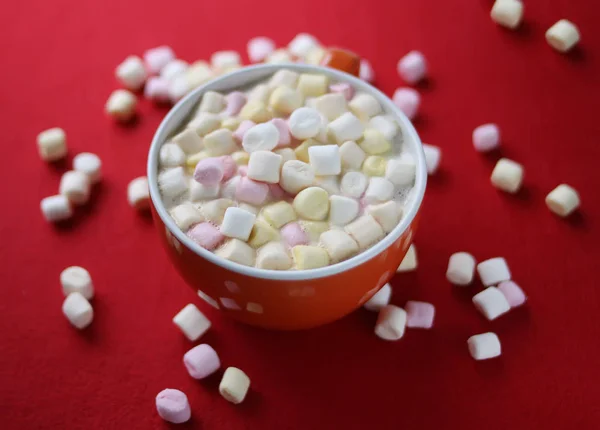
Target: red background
{"points": [[58, 59]]}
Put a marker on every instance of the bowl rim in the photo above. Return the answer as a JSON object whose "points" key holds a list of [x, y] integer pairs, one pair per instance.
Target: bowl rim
{"points": [[190, 100]]}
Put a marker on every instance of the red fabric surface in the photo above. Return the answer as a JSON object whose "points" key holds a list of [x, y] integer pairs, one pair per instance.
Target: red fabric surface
{"points": [[58, 61]]}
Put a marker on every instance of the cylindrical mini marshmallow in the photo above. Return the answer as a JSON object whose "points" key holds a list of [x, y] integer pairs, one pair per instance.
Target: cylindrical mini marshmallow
{"points": [[259, 48], [76, 279], [366, 231], [201, 361], [344, 88], [235, 101], [56, 208], [408, 101], [342, 210], [366, 72], [252, 192], [157, 58], [242, 129], [273, 256], [293, 235], [387, 214], [391, 323], [138, 194], [278, 214], [131, 73], [412, 67], [157, 89], [401, 171], [374, 165], [486, 137], [563, 200], [204, 123], [302, 43], [285, 100], [296, 176], [325, 159], [354, 184], [364, 105], [379, 190], [237, 223], [507, 175], [261, 137], [433, 155], [186, 215], [173, 406], [192, 322], [513, 293], [212, 102], [312, 203], [179, 87], [386, 124], [264, 166], [171, 155], [493, 271], [284, 131], [78, 310], [491, 303], [206, 235], [121, 105], [331, 105], [89, 164], [563, 35], [345, 127], [75, 186], [461, 268], [419, 314], [209, 171], [507, 13], [223, 60], [304, 123], [380, 299], [484, 346], [52, 144], [173, 68], [234, 385]]}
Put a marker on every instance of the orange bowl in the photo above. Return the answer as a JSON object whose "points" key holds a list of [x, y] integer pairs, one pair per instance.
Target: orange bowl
{"points": [[285, 300]]}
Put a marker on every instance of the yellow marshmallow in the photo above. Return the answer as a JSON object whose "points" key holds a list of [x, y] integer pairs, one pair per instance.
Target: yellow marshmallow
{"points": [[278, 214], [374, 142], [262, 233], [309, 257], [231, 123], [256, 111], [312, 85], [219, 142], [301, 150], [285, 100], [314, 229], [374, 165], [192, 160], [241, 158], [312, 203]]}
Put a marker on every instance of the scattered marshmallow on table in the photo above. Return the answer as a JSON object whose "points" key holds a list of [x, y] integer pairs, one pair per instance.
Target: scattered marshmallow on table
{"points": [[387, 214], [253, 192], [56, 208], [364, 106], [338, 244], [302, 43], [157, 89], [386, 124], [493, 271], [513, 293], [131, 73], [285, 100], [461, 268], [259, 48], [507, 175], [412, 67], [273, 256], [178, 87], [325, 159], [76, 279], [157, 58], [296, 176], [408, 101], [264, 166], [279, 214], [312, 203], [138, 194], [380, 299], [224, 60], [433, 155], [52, 144], [366, 72], [563, 200], [293, 235], [89, 164], [261, 137], [173, 406], [486, 137], [352, 155], [234, 385], [491, 303], [313, 85], [201, 361], [391, 323], [354, 184], [186, 215], [206, 235], [484, 346], [419, 314], [237, 223], [220, 142], [75, 186], [374, 142], [507, 13], [173, 68], [304, 123], [191, 322], [563, 35], [121, 105], [171, 155], [379, 190], [401, 171], [237, 251], [366, 231], [78, 310], [410, 262], [342, 210]]}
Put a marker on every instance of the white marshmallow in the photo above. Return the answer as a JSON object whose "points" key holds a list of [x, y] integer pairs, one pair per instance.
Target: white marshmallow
{"points": [[237, 223], [237, 251], [493, 271], [287, 154], [185, 215], [90, 164], [296, 176], [461, 268], [380, 299], [354, 184], [342, 210], [284, 77], [491, 303], [204, 123], [229, 188], [345, 127], [191, 322], [401, 171], [331, 184], [279, 56], [76, 279], [563, 35], [178, 88], [338, 244], [313, 85], [304, 123], [433, 155], [214, 210], [121, 105], [138, 194], [198, 73], [391, 323], [75, 186], [386, 126], [507, 13], [223, 60], [484, 346], [325, 159], [174, 68], [352, 155], [273, 256], [157, 58], [200, 191], [171, 155], [409, 262], [131, 73], [52, 144], [189, 141], [264, 166], [285, 100], [78, 310], [302, 43], [172, 182], [387, 214], [366, 72], [563, 200], [331, 105], [315, 56], [366, 231], [259, 48], [56, 208], [220, 142], [379, 190], [507, 175], [261, 137], [212, 102], [364, 106], [234, 385]]}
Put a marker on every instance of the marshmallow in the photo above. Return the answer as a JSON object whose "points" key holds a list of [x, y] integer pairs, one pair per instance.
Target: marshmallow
{"points": [[191, 322], [192, 161], [366, 72], [206, 235], [296, 176], [224, 60], [284, 132], [205, 123], [220, 142], [285, 100], [262, 233], [229, 188], [279, 56], [264, 166], [408, 101], [331, 184], [255, 110], [315, 55], [374, 165], [185, 215], [78, 310], [273, 256], [76, 279], [387, 214], [313, 85], [314, 229], [260, 93], [157, 58], [171, 155], [419, 314], [513, 293], [304, 123], [342, 210], [293, 235], [172, 182], [345, 127], [75, 186], [374, 142], [212, 102], [364, 106], [131, 73], [278, 214], [409, 262], [214, 210], [252, 192], [261, 137], [235, 101], [312, 203], [173, 69], [52, 144], [507, 13], [343, 88], [234, 385], [486, 137], [259, 48], [325, 159], [563, 35], [277, 192], [209, 171], [331, 105], [401, 171], [198, 73], [173, 406], [433, 155], [366, 231], [90, 164], [157, 89], [386, 125], [284, 77], [138, 194], [201, 361], [178, 88], [301, 150], [56, 208], [380, 299], [391, 323], [491, 303], [563, 200], [231, 123], [302, 43], [484, 346], [121, 105], [461, 268], [352, 155], [309, 257], [493, 271], [189, 141], [354, 184], [237, 223], [507, 175], [241, 158], [242, 129], [412, 67], [338, 244], [379, 190]]}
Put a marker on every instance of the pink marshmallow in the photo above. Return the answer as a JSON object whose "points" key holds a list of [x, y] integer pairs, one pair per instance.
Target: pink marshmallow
{"points": [[419, 314], [157, 58], [277, 192], [209, 171], [235, 102], [408, 101], [157, 89], [229, 167], [252, 192], [293, 234], [243, 170], [486, 137], [173, 406], [513, 293], [206, 235], [412, 67], [201, 361], [344, 88], [284, 131], [242, 129], [366, 72], [259, 48]]}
